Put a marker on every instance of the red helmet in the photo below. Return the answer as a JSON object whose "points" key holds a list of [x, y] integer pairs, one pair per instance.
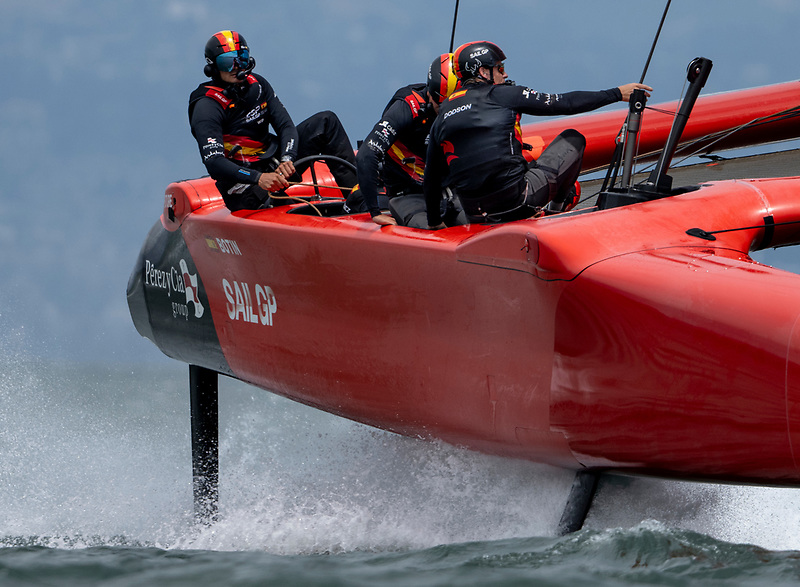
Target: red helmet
{"points": [[442, 80], [470, 57], [225, 51]]}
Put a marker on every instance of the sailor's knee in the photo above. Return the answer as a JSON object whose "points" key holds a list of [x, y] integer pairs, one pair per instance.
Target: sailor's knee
{"points": [[329, 117], [574, 138]]}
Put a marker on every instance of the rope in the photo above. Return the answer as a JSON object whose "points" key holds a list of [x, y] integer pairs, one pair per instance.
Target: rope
{"points": [[277, 197], [321, 185]]}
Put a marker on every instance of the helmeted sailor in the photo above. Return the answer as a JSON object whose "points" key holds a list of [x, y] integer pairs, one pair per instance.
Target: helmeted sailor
{"points": [[231, 116], [475, 148], [394, 151]]}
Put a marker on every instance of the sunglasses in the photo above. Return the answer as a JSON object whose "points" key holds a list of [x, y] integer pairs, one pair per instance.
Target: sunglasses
{"points": [[233, 59], [501, 67]]}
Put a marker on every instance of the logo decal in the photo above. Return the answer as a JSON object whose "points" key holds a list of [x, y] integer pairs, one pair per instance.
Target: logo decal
{"points": [[190, 284], [449, 151], [177, 281], [240, 304], [224, 245], [461, 108]]}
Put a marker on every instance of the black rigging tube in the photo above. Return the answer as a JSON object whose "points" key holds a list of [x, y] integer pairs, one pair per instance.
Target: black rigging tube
{"points": [[636, 107], [655, 40], [611, 175], [453, 34], [659, 182], [616, 158]]}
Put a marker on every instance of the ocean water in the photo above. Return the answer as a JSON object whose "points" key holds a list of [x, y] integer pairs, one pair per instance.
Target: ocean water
{"points": [[95, 489]]}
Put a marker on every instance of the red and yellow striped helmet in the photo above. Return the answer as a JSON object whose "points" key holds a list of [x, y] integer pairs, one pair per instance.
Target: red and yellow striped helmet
{"points": [[226, 49], [442, 80]]}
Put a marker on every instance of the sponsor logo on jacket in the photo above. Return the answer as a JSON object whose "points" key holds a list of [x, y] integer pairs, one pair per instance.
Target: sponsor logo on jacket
{"points": [[457, 110]]}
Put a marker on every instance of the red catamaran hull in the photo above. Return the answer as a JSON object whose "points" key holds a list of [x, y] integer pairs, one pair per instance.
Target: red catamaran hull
{"points": [[605, 339]]}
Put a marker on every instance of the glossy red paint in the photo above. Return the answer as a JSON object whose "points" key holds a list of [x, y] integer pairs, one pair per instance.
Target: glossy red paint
{"points": [[603, 339], [608, 339]]}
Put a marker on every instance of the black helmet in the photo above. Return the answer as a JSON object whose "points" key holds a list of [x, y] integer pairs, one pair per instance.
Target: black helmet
{"points": [[442, 80], [470, 57], [225, 51]]}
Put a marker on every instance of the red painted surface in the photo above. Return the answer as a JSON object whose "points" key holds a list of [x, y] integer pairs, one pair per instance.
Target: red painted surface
{"points": [[603, 339]]}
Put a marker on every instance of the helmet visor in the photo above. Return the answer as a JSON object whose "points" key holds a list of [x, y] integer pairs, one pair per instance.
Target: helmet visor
{"points": [[233, 59]]}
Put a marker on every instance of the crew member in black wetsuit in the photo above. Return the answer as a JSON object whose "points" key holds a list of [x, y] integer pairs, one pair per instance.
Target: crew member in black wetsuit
{"points": [[394, 151], [475, 148], [230, 117]]}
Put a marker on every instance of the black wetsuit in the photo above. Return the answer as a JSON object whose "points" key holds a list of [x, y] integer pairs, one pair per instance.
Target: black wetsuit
{"points": [[231, 124], [476, 144], [394, 151]]}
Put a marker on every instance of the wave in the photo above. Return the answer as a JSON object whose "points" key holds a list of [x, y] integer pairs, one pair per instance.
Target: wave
{"points": [[99, 455], [648, 553]]}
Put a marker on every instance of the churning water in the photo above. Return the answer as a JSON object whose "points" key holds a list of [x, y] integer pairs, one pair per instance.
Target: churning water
{"points": [[95, 489]]}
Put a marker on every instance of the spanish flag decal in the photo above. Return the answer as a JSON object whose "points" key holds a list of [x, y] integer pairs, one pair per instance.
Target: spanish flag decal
{"points": [[228, 40]]}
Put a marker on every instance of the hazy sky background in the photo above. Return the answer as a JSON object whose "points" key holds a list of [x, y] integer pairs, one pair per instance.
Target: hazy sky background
{"points": [[94, 126]]}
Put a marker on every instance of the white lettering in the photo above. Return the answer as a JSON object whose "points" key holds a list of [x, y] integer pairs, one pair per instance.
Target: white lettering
{"points": [[231, 305], [178, 281], [180, 310], [251, 315], [228, 246], [253, 114], [159, 278], [240, 304], [267, 304], [461, 108]]}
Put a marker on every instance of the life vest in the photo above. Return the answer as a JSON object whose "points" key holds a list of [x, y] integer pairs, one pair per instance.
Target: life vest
{"points": [[217, 93], [481, 141], [409, 148], [245, 142]]}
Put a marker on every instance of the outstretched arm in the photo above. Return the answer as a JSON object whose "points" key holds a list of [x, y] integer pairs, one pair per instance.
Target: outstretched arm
{"points": [[627, 90]]}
